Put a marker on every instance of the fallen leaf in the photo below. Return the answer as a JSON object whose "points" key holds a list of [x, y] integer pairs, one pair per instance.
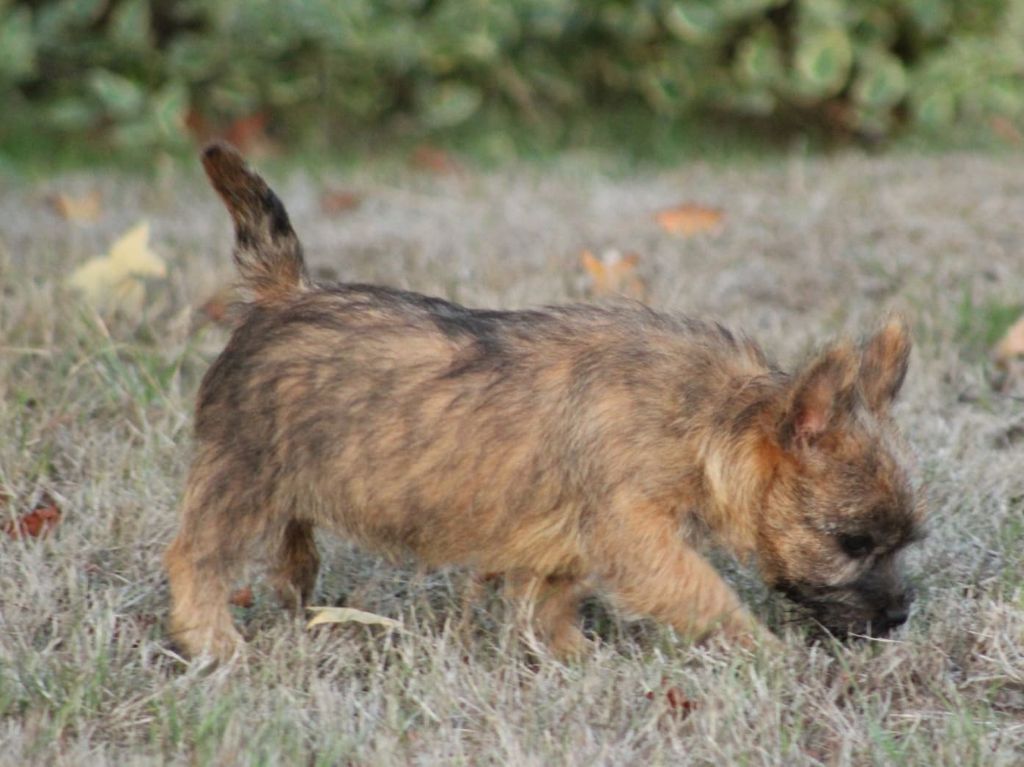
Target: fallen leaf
{"points": [[330, 615], [247, 130], [435, 160], [113, 282], [677, 700], [217, 308], [840, 116], [1005, 129], [242, 597], [197, 125], [37, 523], [678, 703], [613, 274], [248, 133], [335, 201], [690, 219], [84, 209], [1011, 345]]}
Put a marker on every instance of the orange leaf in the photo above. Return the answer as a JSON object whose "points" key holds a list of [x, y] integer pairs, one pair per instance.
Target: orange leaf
{"points": [[614, 274], [335, 201], [434, 160], [242, 597], [249, 132], [690, 219], [217, 308], [197, 124], [37, 523], [1005, 129], [84, 209]]}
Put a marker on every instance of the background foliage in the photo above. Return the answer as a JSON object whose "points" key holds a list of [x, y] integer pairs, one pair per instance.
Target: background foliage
{"points": [[135, 71]]}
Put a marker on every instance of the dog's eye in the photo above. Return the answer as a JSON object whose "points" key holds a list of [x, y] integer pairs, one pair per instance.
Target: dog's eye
{"points": [[856, 546]]}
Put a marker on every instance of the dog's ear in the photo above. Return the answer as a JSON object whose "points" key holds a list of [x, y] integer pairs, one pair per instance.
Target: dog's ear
{"points": [[884, 361], [821, 396]]}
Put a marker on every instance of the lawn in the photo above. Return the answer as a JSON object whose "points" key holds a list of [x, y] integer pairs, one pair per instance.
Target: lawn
{"points": [[97, 413]]}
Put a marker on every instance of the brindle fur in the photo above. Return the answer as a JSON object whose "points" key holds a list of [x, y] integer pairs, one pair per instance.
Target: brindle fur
{"points": [[573, 449]]}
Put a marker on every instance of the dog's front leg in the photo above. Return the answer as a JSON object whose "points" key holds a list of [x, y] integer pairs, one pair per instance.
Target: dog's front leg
{"points": [[648, 569]]}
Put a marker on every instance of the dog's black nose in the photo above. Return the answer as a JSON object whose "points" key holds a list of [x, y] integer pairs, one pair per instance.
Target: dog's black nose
{"points": [[891, 618], [896, 616]]}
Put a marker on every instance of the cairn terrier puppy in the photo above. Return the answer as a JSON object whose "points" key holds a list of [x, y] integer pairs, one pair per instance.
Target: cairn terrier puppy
{"points": [[572, 449]]}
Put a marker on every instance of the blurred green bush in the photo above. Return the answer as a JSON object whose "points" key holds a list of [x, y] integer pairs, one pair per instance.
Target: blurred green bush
{"points": [[134, 70]]}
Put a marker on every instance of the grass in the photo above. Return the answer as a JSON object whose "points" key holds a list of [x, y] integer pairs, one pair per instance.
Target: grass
{"points": [[98, 413]]}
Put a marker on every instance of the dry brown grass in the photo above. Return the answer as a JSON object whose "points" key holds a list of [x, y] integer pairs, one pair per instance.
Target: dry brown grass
{"points": [[100, 416]]}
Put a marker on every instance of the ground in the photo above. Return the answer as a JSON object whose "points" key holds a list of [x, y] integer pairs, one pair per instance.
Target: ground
{"points": [[98, 413]]}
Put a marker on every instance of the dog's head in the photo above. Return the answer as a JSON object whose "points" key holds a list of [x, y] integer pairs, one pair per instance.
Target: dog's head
{"points": [[840, 508]]}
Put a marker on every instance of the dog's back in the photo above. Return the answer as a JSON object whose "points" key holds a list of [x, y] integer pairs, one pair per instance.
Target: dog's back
{"points": [[419, 426]]}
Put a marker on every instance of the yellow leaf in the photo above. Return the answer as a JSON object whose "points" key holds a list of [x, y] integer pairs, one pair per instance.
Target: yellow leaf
{"points": [[113, 282], [329, 615]]}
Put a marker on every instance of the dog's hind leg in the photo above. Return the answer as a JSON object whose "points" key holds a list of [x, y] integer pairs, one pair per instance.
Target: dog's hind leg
{"points": [[550, 606], [202, 564], [294, 571]]}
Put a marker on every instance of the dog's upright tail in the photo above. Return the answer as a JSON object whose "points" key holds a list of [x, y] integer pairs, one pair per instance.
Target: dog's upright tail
{"points": [[267, 251]]}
